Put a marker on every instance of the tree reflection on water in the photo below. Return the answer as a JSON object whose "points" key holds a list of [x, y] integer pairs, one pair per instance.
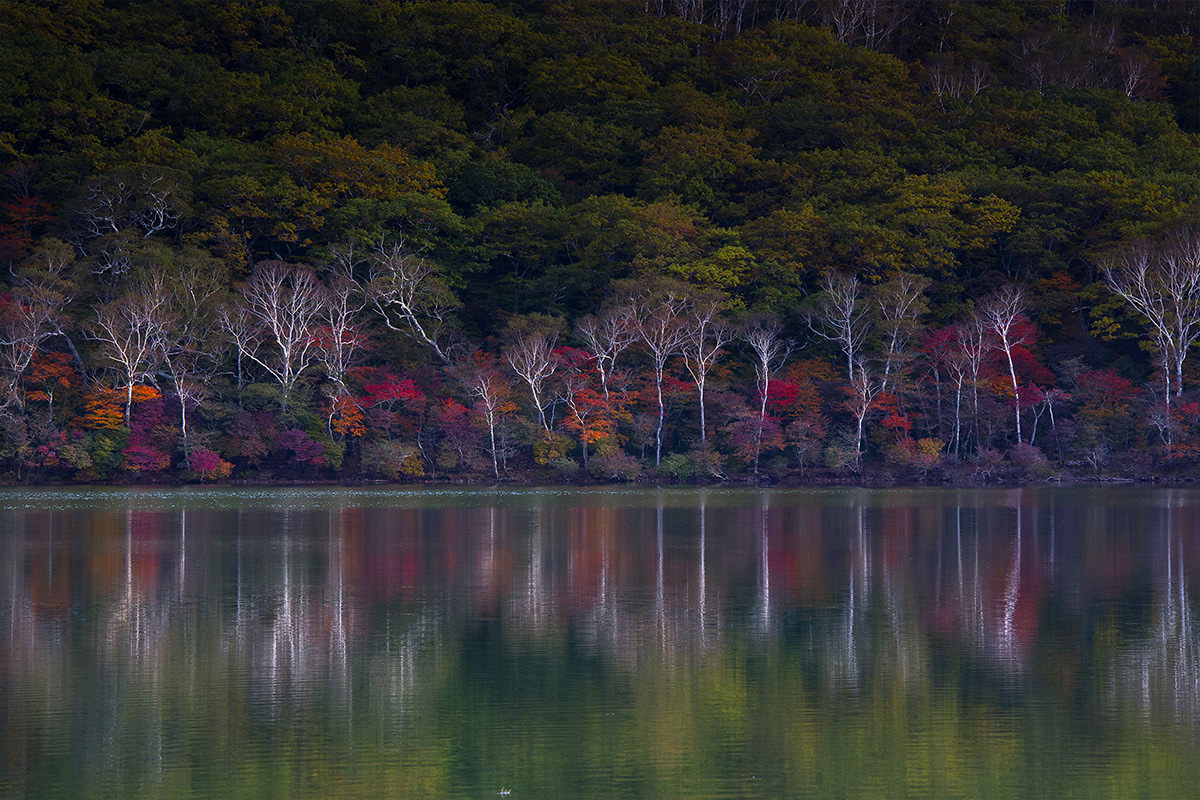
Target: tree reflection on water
{"points": [[669, 639]]}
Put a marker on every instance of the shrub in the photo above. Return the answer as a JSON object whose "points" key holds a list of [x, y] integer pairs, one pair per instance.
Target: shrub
{"points": [[620, 467], [391, 459], [1028, 456], [208, 466], [842, 452], [706, 462], [550, 446], [677, 465]]}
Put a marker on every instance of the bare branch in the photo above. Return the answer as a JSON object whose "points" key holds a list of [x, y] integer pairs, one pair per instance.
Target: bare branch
{"points": [[130, 331], [842, 317], [607, 336], [284, 303], [705, 336], [1161, 281], [410, 297], [530, 353]]}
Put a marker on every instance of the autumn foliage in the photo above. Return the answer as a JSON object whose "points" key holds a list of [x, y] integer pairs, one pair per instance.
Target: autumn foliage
{"points": [[535, 244]]}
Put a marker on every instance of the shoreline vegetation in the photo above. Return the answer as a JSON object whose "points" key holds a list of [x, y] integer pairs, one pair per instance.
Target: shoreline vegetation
{"points": [[744, 242]]}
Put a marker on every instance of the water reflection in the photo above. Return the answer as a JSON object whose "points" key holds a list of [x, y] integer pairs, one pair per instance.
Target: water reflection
{"points": [[141, 640]]}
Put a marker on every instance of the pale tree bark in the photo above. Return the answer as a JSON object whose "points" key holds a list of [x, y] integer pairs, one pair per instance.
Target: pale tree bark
{"points": [[188, 356], [575, 388], [492, 390], [530, 351], [1000, 313], [842, 318], [243, 334], [32, 315], [771, 349], [901, 303], [412, 300], [1137, 73], [149, 199], [130, 332], [705, 336], [341, 339], [1161, 281], [870, 23], [965, 362], [661, 330], [285, 304], [48, 276], [607, 336], [863, 392]]}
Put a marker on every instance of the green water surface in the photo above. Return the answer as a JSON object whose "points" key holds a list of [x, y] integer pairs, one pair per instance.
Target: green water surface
{"points": [[602, 643]]}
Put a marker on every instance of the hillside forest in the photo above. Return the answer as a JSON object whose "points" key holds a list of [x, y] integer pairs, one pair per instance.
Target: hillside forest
{"points": [[599, 240]]}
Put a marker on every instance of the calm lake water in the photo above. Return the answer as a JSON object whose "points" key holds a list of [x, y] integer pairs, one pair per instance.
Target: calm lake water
{"points": [[600, 643]]}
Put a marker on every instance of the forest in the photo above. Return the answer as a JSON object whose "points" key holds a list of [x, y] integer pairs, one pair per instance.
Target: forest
{"points": [[780, 241]]}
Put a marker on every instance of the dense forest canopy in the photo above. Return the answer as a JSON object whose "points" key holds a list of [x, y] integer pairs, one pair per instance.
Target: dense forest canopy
{"points": [[461, 239]]}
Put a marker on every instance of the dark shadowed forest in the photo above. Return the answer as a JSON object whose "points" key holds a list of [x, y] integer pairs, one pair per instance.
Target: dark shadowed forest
{"points": [[797, 240]]}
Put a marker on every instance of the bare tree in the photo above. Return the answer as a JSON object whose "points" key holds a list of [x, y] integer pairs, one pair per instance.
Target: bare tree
{"points": [[32, 314], [863, 390], [607, 336], [705, 336], [1137, 72], [530, 351], [406, 291], [1162, 283], [1001, 313], [146, 198], [661, 330], [49, 277], [965, 362], [868, 22], [901, 303], [771, 349], [188, 357], [241, 331], [841, 317], [340, 337], [284, 304], [117, 210], [130, 333], [578, 395], [492, 389]]}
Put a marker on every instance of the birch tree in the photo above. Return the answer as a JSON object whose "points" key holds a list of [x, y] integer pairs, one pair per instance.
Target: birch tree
{"points": [[188, 358], [606, 336], [130, 333], [863, 391], [771, 349], [661, 330], [340, 337], [410, 297], [965, 360], [530, 351], [841, 317], [1161, 281], [705, 335], [31, 314], [901, 303], [491, 389], [240, 331], [284, 304], [1000, 313]]}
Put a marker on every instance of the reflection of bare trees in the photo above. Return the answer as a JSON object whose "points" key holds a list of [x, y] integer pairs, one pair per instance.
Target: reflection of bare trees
{"points": [[1160, 675], [298, 606], [877, 630], [988, 604]]}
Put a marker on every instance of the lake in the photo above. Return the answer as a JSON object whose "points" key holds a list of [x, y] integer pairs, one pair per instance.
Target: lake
{"points": [[600, 643]]}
